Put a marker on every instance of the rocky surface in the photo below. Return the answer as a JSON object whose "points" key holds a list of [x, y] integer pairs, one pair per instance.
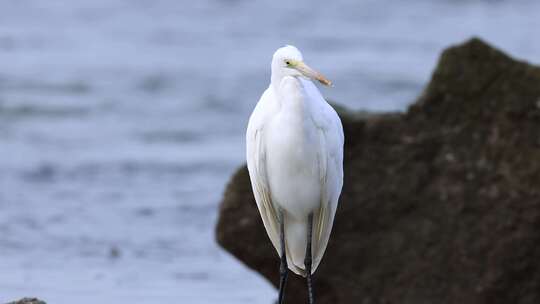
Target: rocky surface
{"points": [[441, 204], [27, 301]]}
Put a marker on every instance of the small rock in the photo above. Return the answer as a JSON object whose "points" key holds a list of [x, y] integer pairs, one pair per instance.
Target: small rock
{"points": [[28, 301]]}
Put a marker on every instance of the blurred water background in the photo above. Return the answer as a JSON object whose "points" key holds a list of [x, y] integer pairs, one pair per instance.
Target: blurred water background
{"points": [[121, 121]]}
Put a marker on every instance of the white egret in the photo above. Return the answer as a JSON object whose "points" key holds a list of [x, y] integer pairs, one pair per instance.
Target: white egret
{"points": [[295, 160]]}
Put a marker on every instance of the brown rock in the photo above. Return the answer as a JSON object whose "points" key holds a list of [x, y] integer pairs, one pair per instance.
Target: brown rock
{"points": [[28, 301], [440, 204]]}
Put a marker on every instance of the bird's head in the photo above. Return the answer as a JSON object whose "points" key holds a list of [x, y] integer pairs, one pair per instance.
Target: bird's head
{"points": [[288, 61]]}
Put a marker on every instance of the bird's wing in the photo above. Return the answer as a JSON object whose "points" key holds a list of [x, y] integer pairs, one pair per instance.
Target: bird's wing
{"points": [[331, 174], [330, 155], [256, 162]]}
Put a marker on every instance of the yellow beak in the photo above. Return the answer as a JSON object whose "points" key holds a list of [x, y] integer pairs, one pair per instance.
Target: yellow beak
{"points": [[311, 73]]}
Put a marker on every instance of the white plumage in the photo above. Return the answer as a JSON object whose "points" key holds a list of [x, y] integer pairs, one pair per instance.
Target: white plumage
{"points": [[295, 158]]}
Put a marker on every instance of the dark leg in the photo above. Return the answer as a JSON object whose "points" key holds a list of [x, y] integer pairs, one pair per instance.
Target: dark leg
{"points": [[307, 260], [283, 268]]}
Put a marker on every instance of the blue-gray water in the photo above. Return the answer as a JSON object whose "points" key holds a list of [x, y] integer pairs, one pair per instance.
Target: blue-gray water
{"points": [[121, 121]]}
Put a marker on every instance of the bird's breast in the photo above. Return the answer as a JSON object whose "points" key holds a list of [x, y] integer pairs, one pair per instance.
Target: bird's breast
{"points": [[292, 163]]}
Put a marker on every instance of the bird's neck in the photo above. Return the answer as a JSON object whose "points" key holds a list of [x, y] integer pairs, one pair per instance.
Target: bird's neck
{"points": [[291, 94], [275, 80]]}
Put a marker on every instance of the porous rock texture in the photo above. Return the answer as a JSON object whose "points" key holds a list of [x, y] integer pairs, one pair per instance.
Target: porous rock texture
{"points": [[440, 204]]}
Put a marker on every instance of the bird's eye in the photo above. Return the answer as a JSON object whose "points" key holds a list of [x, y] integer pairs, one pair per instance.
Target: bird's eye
{"points": [[287, 62]]}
